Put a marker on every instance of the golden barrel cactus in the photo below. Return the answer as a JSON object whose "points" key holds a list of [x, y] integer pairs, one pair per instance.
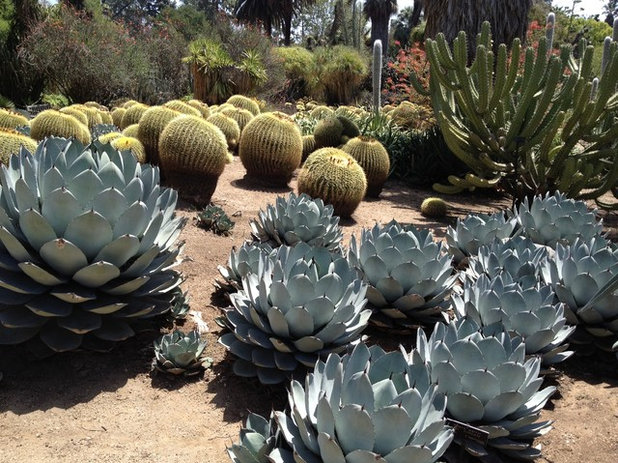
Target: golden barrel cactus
{"points": [[109, 136], [433, 207], [192, 156], [92, 114], [131, 130], [131, 144], [229, 127], [76, 113], [150, 127], [10, 143], [271, 148], [334, 176], [241, 116], [11, 119], [133, 115], [374, 160], [117, 115], [183, 108], [201, 107], [308, 146], [243, 102], [52, 123]]}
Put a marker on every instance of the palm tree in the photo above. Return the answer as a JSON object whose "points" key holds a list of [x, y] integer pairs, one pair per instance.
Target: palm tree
{"points": [[508, 19], [271, 13], [380, 12]]}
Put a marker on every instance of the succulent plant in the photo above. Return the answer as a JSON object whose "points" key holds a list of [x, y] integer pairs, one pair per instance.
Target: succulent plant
{"points": [[243, 102], [130, 144], [180, 305], [242, 261], [201, 107], [409, 275], [52, 123], [433, 207], [489, 384], [297, 219], [133, 115], [229, 127], [87, 246], [11, 119], [271, 148], [258, 438], [335, 177], [556, 219], [308, 146], [180, 353], [117, 115], [518, 256], [241, 116], [10, 143], [578, 273], [77, 114], [374, 160], [131, 131], [365, 406], [149, 129], [476, 230], [320, 112], [302, 303], [102, 129], [184, 108], [192, 155], [526, 311], [214, 218]]}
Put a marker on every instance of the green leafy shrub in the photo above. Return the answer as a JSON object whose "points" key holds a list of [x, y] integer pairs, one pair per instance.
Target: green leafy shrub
{"points": [[340, 72]]}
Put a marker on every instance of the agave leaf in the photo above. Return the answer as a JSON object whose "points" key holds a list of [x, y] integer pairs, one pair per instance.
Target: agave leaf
{"points": [[96, 274], [114, 330], [58, 339], [14, 247], [36, 228], [80, 322], [85, 186], [465, 407], [63, 256], [132, 221], [90, 232], [59, 208], [11, 336], [354, 429], [18, 317], [389, 423], [41, 275]]}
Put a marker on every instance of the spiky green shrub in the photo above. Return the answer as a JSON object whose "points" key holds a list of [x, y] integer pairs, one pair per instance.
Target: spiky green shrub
{"points": [[302, 303], [340, 71], [90, 234]]}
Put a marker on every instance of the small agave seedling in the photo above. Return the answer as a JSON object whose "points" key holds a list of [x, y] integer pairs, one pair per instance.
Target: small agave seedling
{"points": [[298, 219], [241, 262], [409, 275], [180, 353], [556, 219], [477, 230], [258, 438], [214, 218], [302, 303], [367, 406], [525, 311], [180, 305], [489, 384], [579, 274]]}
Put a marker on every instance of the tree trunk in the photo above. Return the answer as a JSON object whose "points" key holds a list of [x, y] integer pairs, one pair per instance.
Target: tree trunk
{"points": [[509, 19], [415, 19], [379, 30]]}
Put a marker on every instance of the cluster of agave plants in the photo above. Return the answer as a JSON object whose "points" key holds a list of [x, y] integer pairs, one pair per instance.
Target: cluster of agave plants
{"points": [[88, 251]]}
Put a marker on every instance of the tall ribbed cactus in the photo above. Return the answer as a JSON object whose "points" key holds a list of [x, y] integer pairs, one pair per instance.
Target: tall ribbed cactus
{"points": [[377, 75], [530, 128]]}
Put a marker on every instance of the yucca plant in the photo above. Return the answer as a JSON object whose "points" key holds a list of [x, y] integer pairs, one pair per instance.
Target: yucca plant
{"points": [[88, 245]]}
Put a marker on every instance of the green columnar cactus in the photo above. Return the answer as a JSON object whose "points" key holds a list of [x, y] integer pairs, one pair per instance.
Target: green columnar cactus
{"points": [[502, 121], [54, 123], [150, 127], [335, 177], [10, 143], [377, 75], [271, 148], [193, 154], [374, 160]]}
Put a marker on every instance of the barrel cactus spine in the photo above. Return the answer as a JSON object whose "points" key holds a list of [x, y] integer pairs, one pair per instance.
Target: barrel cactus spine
{"points": [[271, 148], [335, 177], [193, 154], [201, 107]]}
